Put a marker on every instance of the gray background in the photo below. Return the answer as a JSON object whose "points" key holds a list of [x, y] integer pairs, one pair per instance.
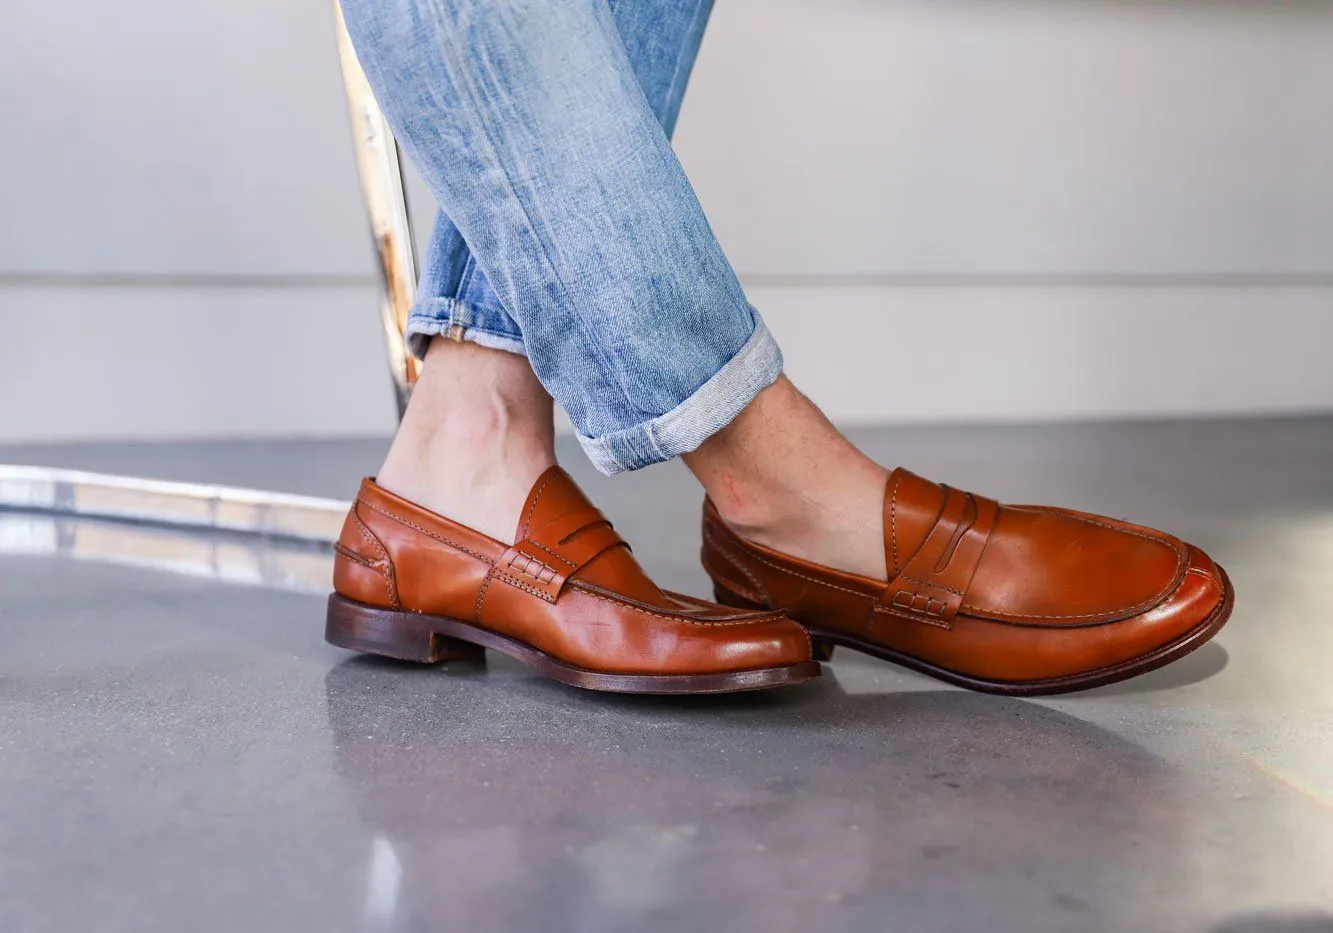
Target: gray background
{"points": [[1126, 207]]}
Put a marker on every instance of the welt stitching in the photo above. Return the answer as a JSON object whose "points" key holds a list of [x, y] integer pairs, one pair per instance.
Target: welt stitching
{"points": [[752, 620], [426, 531]]}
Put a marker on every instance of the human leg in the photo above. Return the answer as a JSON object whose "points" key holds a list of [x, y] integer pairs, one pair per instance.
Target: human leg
{"points": [[661, 40], [478, 431], [516, 83], [529, 124]]}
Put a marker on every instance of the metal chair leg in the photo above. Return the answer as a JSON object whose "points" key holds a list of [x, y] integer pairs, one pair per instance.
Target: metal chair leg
{"points": [[380, 167]]}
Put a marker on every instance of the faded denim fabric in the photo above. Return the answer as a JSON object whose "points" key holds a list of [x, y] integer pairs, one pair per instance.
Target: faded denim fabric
{"points": [[568, 230]]}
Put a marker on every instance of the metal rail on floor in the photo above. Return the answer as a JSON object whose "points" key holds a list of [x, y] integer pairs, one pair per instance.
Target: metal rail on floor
{"points": [[35, 489], [161, 502], [240, 560]]}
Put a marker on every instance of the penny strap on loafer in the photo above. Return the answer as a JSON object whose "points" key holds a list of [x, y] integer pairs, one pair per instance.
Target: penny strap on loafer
{"points": [[932, 584]]}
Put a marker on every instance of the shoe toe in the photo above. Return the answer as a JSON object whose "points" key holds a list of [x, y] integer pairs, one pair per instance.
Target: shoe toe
{"points": [[1201, 594], [774, 641]]}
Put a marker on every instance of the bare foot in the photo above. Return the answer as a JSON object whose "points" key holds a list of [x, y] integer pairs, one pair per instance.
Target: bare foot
{"points": [[783, 476], [477, 434]]}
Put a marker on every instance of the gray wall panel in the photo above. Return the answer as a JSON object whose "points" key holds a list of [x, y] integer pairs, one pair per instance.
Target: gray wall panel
{"points": [[846, 150], [903, 137], [154, 137]]}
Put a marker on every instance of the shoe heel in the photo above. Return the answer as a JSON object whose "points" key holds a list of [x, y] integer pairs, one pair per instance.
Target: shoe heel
{"points": [[821, 648], [727, 598], [392, 633]]}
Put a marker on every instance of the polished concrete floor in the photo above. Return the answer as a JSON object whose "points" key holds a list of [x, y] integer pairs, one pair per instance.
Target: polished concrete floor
{"points": [[180, 751]]}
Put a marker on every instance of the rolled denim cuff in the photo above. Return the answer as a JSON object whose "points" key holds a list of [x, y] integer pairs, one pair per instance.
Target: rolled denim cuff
{"points": [[713, 406], [434, 316]]}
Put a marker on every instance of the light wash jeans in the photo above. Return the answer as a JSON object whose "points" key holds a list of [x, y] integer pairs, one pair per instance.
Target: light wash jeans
{"points": [[568, 230]]}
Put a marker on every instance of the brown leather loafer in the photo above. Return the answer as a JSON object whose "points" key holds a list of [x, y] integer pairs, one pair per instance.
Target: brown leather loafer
{"points": [[1019, 600], [569, 599]]}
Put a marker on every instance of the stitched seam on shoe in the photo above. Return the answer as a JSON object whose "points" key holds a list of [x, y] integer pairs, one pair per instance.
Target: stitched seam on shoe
{"points": [[370, 539], [535, 499], [390, 584], [1094, 620], [765, 617], [519, 584], [938, 586], [564, 560], [344, 551], [938, 623], [832, 586], [481, 594], [426, 531], [1214, 581], [720, 580], [893, 520], [735, 560], [1110, 614]]}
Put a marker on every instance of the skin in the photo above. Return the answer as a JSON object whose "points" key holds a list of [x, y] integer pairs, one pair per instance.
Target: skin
{"points": [[480, 430]]}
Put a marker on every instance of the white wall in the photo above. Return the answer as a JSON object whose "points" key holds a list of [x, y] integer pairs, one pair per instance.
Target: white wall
{"points": [[945, 209]]}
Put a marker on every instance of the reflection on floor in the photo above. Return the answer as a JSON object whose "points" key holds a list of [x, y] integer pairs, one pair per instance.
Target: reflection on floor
{"points": [[179, 752]]}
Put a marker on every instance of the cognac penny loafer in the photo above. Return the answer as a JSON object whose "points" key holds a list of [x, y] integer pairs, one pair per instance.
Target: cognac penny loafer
{"points": [[568, 599], [1018, 600]]}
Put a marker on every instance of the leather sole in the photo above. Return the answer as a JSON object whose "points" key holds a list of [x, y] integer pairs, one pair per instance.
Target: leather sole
{"points": [[428, 639], [824, 642]]}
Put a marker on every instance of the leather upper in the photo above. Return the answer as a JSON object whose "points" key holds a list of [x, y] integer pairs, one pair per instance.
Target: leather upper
{"points": [[569, 586], [987, 590]]}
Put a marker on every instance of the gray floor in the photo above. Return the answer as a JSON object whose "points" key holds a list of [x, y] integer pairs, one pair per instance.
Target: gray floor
{"points": [[180, 751]]}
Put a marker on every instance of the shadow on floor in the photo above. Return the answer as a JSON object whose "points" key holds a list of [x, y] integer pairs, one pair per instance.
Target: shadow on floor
{"points": [[503, 800], [1208, 661]]}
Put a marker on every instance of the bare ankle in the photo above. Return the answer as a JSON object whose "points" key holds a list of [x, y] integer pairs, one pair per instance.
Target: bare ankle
{"points": [[476, 436], [783, 476]]}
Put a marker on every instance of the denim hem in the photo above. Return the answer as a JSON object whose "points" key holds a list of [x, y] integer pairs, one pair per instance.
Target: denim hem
{"points": [[712, 407], [435, 316]]}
